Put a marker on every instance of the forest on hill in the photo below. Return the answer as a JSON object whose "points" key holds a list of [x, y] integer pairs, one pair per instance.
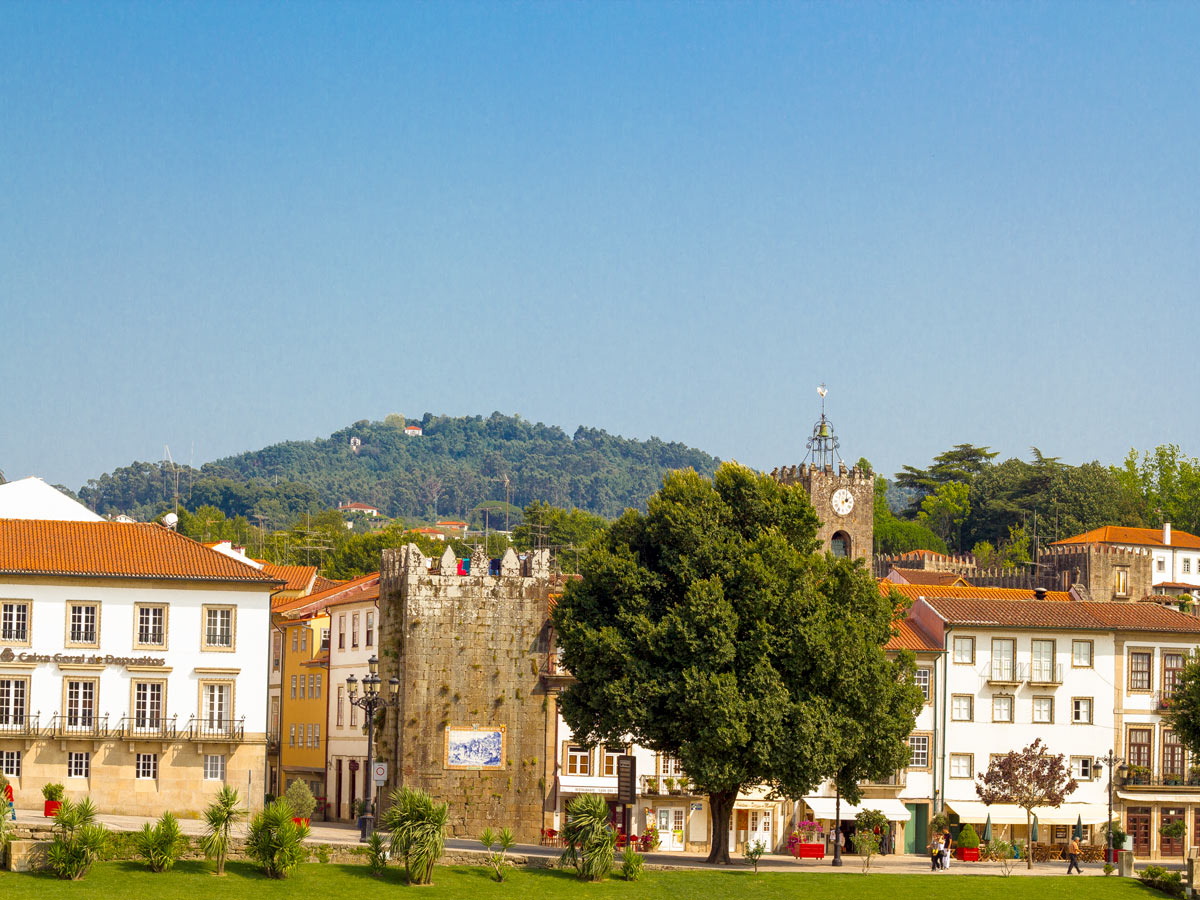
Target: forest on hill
{"points": [[456, 467]]}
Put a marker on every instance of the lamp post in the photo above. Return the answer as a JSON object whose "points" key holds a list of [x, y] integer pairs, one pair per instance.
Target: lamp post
{"points": [[370, 701], [1112, 761]]}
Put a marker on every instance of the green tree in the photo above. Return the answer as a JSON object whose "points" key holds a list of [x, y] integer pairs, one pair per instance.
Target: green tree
{"points": [[219, 818], [945, 509], [1183, 714], [961, 463], [709, 628], [893, 535], [985, 554]]}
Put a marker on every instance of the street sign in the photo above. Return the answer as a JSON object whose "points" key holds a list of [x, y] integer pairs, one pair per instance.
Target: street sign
{"points": [[627, 780], [379, 772]]}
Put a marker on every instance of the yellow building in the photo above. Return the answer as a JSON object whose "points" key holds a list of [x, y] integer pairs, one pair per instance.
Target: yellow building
{"points": [[303, 707]]}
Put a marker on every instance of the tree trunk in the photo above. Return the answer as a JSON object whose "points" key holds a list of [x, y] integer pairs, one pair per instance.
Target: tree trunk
{"points": [[720, 810], [1028, 839]]}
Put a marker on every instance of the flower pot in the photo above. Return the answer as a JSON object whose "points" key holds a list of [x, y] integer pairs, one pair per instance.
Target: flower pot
{"points": [[968, 854], [1111, 855], [809, 851], [51, 809]]}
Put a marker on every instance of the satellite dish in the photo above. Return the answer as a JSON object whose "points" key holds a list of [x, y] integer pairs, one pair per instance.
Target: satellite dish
{"points": [[171, 520]]}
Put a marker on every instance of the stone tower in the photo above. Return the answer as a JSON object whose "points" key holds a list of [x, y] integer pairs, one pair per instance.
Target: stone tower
{"points": [[843, 498]]}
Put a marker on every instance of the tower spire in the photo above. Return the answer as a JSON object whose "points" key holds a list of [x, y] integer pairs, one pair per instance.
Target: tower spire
{"points": [[823, 445]]}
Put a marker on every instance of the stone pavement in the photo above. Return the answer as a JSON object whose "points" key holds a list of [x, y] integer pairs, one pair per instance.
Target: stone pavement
{"points": [[340, 833]]}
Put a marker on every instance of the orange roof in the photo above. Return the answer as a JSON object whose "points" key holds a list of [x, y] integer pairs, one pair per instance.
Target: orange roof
{"points": [[1176, 584], [929, 591], [454, 522], [315, 602], [910, 637], [1144, 537], [921, 554], [1074, 616], [295, 578], [925, 576], [321, 583], [114, 550]]}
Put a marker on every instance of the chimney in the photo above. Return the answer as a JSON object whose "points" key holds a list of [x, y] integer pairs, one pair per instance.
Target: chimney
{"points": [[1166, 534], [1039, 593]]}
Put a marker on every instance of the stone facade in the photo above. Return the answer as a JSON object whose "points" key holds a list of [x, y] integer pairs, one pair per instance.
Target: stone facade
{"points": [[857, 525], [469, 651], [1110, 574]]}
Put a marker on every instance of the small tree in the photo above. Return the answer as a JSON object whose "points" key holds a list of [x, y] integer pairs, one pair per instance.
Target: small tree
{"points": [[300, 799], [866, 841], [591, 843], [219, 818], [275, 841], [1028, 778], [754, 852], [418, 828], [161, 845], [78, 839], [497, 844]]}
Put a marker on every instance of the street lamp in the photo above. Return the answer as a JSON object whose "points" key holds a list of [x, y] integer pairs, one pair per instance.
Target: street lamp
{"points": [[370, 701], [1114, 764]]}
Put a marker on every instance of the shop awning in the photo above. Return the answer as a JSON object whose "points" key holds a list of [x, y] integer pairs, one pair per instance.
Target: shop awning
{"points": [[1143, 797], [892, 808], [586, 784], [1010, 814], [825, 807]]}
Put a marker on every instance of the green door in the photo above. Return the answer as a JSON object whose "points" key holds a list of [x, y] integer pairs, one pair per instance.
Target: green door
{"points": [[916, 831]]}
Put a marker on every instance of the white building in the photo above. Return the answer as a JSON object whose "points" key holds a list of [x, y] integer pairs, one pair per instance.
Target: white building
{"points": [[131, 666], [1175, 555]]}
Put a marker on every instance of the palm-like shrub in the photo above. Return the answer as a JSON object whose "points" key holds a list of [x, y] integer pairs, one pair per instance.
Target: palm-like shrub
{"points": [[219, 818], [418, 828], [376, 854], [301, 799], [275, 841], [498, 845], [162, 845], [632, 863], [591, 843], [78, 839]]}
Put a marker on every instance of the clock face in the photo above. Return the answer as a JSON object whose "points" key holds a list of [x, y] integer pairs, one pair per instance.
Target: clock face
{"points": [[843, 502]]}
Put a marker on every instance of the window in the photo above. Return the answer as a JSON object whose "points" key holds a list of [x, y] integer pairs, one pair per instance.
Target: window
{"points": [[1139, 747], [276, 651], [1172, 766], [922, 681], [342, 631], [79, 765], [1121, 582], [214, 767], [964, 651], [1081, 768], [81, 704], [275, 716], [295, 639], [312, 685], [317, 733], [579, 761], [354, 630], [310, 735], [303, 640], [217, 708], [151, 624], [1043, 662], [318, 693], [1002, 708], [1161, 564], [293, 687], [1043, 710], [1139, 671], [147, 705], [1081, 710], [370, 629], [218, 628], [961, 765], [147, 765], [14, 621], [962, 707], [341, 713], [303, 682], [83, 617], [1081, 654], [1172, 669], [324, 639], [353, 716], [10, 763], [1187, 565], [1003, 653], [608, 760], [918, 749], [291, 735], [14, 693], [671, 766]]}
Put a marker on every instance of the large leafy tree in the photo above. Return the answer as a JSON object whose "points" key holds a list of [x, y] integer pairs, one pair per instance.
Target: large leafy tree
{"points": [[709, 628], [1030, 778], [1183, 714]]}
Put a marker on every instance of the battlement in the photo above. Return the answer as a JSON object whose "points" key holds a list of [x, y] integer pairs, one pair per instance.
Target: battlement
{"points": [[805, 473], [409, 560], [929, 561], [1081, 550]]}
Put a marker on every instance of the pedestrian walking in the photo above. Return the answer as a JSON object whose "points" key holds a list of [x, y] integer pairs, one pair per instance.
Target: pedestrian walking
{"points": [[947, 843], [1073, 856], [935, 853]]}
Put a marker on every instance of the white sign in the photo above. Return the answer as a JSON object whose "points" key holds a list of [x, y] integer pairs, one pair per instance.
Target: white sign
{"points": [[379, 772]]}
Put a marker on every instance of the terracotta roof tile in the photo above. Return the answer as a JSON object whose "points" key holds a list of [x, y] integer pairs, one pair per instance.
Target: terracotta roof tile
{"points": [[910, 637], [1145, 537], [295, 578], [317, 601], [1074, 615], [925, 576], [114, 549], [930, 591]]}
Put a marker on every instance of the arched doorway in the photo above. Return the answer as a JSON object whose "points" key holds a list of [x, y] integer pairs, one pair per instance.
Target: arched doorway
{"points": [[840, 544]]}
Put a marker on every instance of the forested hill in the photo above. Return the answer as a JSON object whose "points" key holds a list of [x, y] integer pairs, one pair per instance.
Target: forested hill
{"points": [[456, 465]]}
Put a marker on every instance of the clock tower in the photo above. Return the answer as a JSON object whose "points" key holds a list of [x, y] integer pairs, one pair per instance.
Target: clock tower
{"points": [[843, 498]]}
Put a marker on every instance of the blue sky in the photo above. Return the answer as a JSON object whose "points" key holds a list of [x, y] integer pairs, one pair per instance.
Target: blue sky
{"points": [[223, 226]]}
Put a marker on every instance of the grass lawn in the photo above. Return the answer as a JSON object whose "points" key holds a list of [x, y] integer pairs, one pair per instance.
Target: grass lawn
{"points": [[189, 880]]}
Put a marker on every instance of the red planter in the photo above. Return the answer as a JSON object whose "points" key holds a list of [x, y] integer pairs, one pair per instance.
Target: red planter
{"points": [[810, 851], [303, 822], [968, 854], [51, 808]]}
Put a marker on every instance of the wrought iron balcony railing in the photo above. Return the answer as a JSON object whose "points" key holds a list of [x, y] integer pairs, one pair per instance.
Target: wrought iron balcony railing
{"points": [[149, 728], [12, 725], [79, 725], [211, 728]]}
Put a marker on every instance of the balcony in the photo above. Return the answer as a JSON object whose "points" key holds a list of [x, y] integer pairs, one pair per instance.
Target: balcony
{"points": [[148, 728], [18, 726], [1181, 782], [1046, 675], [1007, 676], [554, 673], [1162, 699], [85, 727], [651, 786], [209, 728], [899, 778]]}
